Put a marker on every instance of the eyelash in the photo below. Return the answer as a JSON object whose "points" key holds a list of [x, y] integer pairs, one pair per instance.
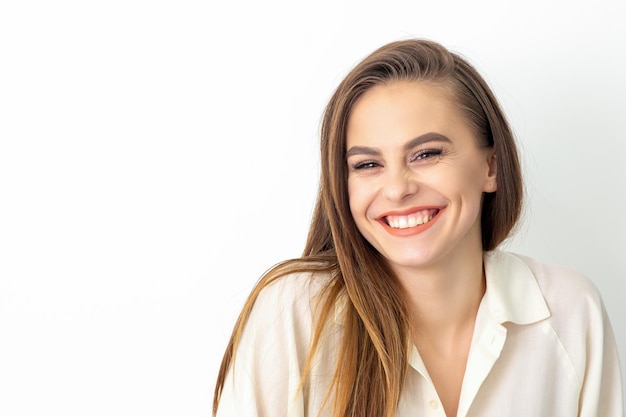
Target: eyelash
{"points": [[418, 156], [365, 165], [423, 154]]}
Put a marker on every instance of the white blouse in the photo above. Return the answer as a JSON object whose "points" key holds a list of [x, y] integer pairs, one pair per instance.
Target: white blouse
{"points": [[542, 347]]}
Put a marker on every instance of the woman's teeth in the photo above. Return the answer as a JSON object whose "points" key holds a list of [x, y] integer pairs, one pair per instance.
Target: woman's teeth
{"points": [[412, 220]]}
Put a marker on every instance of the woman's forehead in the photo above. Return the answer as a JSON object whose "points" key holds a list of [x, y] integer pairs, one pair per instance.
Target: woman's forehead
{"points": [[403, 109]]}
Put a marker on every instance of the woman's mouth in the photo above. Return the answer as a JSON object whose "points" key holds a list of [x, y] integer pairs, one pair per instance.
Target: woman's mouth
{"points": [[410, 222]]}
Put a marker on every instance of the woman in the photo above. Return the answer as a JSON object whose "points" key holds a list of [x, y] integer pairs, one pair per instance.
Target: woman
{"points": [[401, 304]]}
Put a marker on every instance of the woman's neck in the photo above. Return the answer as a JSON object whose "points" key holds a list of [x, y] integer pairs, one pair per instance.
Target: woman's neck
{"points": [[443, 299]]}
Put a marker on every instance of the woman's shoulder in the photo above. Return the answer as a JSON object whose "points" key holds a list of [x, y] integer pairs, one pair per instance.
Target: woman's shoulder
{"points": [[293, 296], [566, 291], [294, 287], [560, 281]]}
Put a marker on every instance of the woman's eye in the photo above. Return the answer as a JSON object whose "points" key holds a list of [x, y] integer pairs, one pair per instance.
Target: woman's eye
{"points": [[365, 165], [426, 154]]}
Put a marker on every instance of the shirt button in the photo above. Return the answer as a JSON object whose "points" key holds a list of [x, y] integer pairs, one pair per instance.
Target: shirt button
{"points": [[433, 404]]}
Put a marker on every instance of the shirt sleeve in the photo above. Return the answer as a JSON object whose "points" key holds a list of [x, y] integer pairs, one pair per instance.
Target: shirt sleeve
{"points": [[601, 393], [265, 376]]}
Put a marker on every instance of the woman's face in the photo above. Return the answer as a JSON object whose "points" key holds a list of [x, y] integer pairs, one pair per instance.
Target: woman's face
{"points": [[416, 175]]}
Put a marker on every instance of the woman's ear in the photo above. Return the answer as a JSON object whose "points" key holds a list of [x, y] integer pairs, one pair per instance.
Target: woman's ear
{"points": [[491, 181]]}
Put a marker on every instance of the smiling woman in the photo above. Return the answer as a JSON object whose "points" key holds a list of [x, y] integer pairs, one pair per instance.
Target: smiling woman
{"points": [[396, 182], [402, 304]]}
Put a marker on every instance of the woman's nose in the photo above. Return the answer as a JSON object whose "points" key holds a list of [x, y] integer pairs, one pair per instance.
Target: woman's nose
{"points": [[398, 184]]}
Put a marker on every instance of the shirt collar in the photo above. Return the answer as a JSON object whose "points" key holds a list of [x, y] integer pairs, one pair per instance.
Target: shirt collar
{"points": [[513, 294]]}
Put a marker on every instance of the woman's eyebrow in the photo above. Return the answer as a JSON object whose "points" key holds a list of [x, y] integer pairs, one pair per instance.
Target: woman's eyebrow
{"points": [[420, 140], [425, 138], [362, 150]]}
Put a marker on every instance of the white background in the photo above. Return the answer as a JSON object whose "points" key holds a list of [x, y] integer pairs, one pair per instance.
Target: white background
{"points": [[156, 157]]}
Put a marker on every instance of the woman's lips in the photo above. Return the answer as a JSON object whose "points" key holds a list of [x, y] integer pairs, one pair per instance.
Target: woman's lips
{"points": [[411, 221]]}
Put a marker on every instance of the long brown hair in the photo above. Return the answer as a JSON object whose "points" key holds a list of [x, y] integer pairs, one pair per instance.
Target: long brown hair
{"points": [[373, 358]]}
